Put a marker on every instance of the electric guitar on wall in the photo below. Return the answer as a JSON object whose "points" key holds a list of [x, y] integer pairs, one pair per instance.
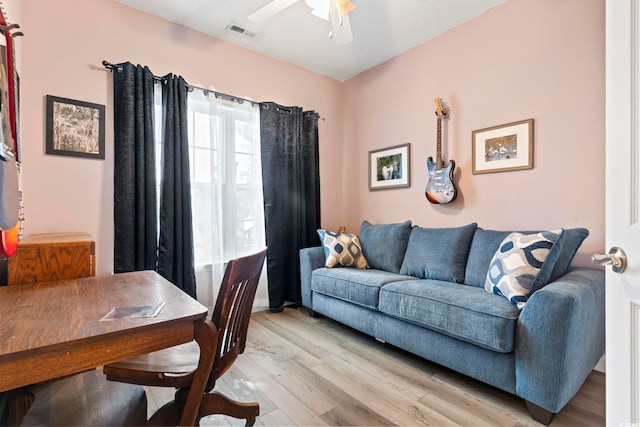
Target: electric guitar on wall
{"points": [[440, 188], [10, 182]]}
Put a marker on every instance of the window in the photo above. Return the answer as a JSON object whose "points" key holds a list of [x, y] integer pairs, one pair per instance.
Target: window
{"points": [[226, 176]]}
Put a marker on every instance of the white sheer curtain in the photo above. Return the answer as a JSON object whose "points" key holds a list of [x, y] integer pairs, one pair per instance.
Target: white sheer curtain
{"points": [[226, 188], [228, 210]]}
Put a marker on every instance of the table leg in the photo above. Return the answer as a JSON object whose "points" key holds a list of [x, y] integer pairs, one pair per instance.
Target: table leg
{"points": [[18, 403]]}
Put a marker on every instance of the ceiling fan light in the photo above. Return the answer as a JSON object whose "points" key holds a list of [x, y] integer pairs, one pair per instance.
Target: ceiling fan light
{"points": [[335, 12], [345, 6]]}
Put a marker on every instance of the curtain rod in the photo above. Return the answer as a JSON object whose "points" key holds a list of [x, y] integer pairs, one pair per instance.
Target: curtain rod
{"points": [[109, 66]]}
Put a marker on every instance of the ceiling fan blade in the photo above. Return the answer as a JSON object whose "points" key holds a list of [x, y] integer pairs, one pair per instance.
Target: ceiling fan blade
{"points": [[270, 9], [340, 26]]}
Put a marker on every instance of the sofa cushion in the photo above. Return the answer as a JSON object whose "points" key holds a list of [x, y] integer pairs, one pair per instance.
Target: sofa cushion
{"points": [[464, 312], [485, 244], [384, 245], [438, 253], [341, 249], [518, 263], [357, 286], [564, 250]]}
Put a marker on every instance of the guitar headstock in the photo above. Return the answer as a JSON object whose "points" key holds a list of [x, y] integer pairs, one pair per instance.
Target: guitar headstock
{"points": [[441, 110]]}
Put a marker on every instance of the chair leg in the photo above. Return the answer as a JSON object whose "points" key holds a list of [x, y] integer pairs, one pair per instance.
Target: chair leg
{"points": [[167, 415], [216, 403]]}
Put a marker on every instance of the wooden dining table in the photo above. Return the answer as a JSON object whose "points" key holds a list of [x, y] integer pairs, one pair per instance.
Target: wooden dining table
{"points": [[52, 329]]}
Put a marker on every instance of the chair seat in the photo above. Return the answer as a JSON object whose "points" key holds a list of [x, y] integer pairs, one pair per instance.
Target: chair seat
{"points": [[86, 399], [172, 367]]}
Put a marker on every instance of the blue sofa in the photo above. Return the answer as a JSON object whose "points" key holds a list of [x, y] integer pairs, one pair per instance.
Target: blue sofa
{"points": [[431, 291]]}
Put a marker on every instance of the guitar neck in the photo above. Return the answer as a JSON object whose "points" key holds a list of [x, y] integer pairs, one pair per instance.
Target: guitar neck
{"points": [[439, 145], [11, 77]]}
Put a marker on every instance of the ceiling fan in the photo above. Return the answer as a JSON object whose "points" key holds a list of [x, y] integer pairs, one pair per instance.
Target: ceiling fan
{"points": [[334, 11]]}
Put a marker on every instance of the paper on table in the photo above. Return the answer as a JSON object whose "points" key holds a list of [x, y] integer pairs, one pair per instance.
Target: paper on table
{"points": [[133, 312]]}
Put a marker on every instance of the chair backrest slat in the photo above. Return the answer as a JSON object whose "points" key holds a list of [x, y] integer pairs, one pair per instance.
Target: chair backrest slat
{"points": [[233, 310]]}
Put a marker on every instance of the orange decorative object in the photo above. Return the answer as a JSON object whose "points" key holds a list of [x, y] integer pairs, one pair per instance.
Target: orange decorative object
{"points": [[9, 241]]}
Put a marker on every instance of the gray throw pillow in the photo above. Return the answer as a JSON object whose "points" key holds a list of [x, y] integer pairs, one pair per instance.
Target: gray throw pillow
{"points": [[384, 245], [438, 253]]}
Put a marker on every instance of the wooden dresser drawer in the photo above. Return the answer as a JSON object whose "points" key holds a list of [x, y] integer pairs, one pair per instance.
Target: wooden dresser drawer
{"points": [[44, 257]]}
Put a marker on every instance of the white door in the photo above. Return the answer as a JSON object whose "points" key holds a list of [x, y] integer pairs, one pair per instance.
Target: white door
{"points": [[623, 210]]}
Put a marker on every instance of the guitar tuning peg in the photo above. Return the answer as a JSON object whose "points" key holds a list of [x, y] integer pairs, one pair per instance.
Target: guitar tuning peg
{"points": [[9, 27], [17, 34]]}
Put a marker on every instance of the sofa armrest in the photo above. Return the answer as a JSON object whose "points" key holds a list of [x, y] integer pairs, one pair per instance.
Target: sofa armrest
{"points": [[560, 338], [310, 259]]}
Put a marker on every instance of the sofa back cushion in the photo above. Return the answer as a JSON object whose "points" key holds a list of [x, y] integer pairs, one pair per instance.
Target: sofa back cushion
{"points": [[483, 247], [438, 253], [486, 242], [563, 252], [384, 245]]}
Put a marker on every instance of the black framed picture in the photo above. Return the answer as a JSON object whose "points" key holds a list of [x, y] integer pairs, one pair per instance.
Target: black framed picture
{"points": [[74, 128]]}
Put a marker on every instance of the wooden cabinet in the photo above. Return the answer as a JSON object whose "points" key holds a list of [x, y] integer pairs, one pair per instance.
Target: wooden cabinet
{"points": [[44, 257]]}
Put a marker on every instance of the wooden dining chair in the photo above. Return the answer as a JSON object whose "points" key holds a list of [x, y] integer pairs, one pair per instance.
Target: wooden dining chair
{"points": [[176, 366]]}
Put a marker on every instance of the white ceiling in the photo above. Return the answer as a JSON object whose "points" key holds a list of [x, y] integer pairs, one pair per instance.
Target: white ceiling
{"points": [[381, 29]]}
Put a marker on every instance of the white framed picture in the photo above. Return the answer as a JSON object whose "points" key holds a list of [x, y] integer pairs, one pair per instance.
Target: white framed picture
{"points": [[503, 148]]}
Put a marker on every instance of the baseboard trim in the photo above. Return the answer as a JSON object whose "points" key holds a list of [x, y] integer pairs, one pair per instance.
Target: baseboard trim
{"points": [[600, 366], [260, 305]]}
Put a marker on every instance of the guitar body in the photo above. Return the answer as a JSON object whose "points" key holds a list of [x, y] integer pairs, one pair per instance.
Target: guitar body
{"points": [[440, 188], [9, 198], [9, 195]]}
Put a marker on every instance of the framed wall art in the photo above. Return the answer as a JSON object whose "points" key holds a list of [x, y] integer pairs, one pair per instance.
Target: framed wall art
{"points": [[389, 167], [74, 128], [503, 148]]}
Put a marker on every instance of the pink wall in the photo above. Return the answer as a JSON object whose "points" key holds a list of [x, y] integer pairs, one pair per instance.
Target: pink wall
{"points": [[65, 42], [524, 59]]}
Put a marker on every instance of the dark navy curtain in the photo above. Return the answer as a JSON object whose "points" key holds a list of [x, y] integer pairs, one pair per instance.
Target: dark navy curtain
{"points": [[136, 242], [134, 199], [291, 185], [175, 249]]}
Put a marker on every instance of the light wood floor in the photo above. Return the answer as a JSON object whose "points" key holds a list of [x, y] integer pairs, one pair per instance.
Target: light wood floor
{"points": [[314, 372]]}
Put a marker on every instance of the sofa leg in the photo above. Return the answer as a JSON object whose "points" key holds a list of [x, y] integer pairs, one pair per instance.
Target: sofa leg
{"points": [[539, 414], [314, 314]]}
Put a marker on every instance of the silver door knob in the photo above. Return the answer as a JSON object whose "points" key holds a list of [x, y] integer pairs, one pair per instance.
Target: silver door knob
{"points": [[615, 258]]}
